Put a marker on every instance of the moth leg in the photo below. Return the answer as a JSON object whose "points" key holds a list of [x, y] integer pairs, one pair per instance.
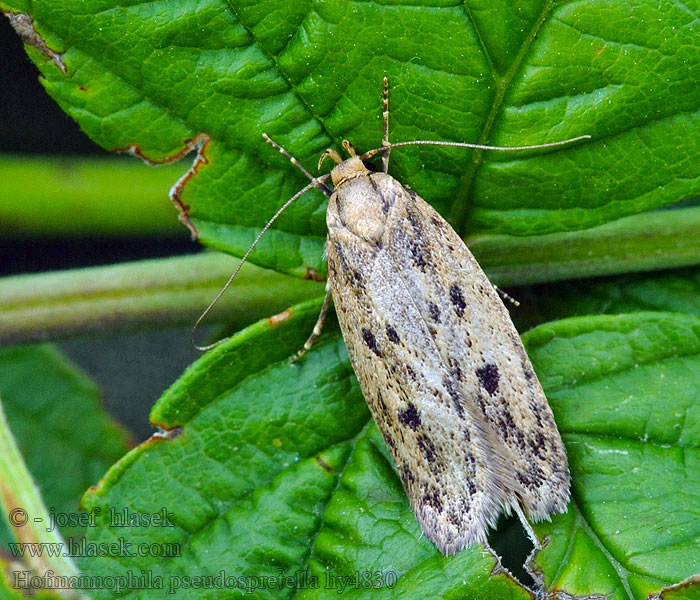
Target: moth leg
{"points": [[385, 138], [317, 328], [505, 296]]}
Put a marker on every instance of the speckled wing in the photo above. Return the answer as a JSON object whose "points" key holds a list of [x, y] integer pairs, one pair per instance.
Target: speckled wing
{"points": [[441, 365]]}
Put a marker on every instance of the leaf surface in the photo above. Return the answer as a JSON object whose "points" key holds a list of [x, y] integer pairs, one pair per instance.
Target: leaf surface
{"points": [[159, 79], [61, 428], [277, 468]]}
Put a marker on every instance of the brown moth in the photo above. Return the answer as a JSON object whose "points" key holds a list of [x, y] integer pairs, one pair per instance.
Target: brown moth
{"points": [[438, 359]]}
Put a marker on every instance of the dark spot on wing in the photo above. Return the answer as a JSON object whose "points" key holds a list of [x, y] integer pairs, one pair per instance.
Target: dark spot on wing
{"points": [[470, 463], [508, 418], [382, 405], [434, 311], [524, 480], [410, 416], [417, 256], [454, 394], [454, 518], [488, 377], [431, 497], [371, 342], [503, 427], [457, 299], [505, 422], [536, 475], [427, 447], [537, 444], [406, 475], [482, 406], [536, 412], [392, 335], [455, 369], [415, 222]]}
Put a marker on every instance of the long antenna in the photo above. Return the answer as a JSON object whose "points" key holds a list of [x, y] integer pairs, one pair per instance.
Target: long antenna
{"points": [[315, 182], [319, 183], [371, 153]]}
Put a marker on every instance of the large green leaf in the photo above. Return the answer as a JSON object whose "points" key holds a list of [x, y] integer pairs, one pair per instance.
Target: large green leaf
{"points": [[273, 468], [628, 409], [158, 79]]}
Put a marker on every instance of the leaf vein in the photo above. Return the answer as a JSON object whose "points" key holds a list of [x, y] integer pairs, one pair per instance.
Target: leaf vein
{"points": [[461, 206]]}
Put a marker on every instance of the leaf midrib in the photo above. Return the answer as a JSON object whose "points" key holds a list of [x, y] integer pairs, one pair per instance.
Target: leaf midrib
{"points": [[462, 205], [278, 68]]}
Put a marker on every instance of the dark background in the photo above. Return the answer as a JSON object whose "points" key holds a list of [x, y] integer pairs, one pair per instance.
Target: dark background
{"points": [[32, 123]]}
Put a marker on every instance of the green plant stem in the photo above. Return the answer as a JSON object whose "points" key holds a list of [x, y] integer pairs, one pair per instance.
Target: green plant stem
{"points": [[658, 240], [28, 518], [174, 291], [114, 195], [145, 294]]}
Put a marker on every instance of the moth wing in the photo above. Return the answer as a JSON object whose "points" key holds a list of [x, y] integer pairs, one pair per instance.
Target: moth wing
{"points": [[403, 381], [481, 347], [444, 373]]}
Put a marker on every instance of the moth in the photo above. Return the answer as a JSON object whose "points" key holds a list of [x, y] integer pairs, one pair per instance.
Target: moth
{"points": [[438, 358]]}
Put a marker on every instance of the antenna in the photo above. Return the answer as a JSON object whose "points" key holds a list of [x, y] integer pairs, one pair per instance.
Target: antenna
{"points": [[315, 182], [375, 151]]}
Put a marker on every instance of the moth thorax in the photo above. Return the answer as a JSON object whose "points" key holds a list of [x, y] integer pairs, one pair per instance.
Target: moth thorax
{"points": [[360, 208], [348, 169]]}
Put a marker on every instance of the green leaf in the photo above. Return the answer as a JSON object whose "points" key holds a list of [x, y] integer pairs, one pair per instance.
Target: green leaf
{"points": [[288, 448], [64, 435], [630, 418], [160, 80], [276, 468], [270, 468]]}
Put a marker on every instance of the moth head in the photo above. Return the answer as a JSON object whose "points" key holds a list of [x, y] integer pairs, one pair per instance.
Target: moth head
{"points": [[345, 169]]}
